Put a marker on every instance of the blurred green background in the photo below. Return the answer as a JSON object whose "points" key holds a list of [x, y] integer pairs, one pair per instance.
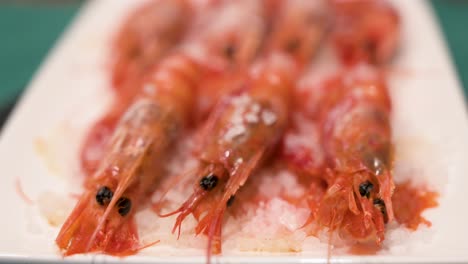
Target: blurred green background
{"points": [[28, 30]]}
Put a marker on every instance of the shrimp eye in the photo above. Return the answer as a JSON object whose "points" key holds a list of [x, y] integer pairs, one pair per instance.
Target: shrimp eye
{"points": [[104, 195], [124, 205], [208, 182], [365, 188], [292, 45], [230, 200], [229, 51]]}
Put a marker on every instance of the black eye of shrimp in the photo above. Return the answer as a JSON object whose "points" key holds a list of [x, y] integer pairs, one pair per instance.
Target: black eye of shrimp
{"points": [[208, 182], [229, 51], [292, 45], [230, 200], [104, 195], [124, 205], [365, 188]]}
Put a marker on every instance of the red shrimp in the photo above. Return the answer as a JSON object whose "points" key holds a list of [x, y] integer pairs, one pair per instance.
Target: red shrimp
{"points": [[356, 138], [365, 31], [146, 35], [240, 133], [226, 46], [298, 28], [223, 48], [103, 220]]}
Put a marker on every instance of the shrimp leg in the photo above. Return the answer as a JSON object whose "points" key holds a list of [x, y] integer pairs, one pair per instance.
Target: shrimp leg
{"points": [[355, 133]]}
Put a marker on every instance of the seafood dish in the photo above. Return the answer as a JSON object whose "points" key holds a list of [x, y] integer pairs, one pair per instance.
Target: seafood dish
{"points": [[232, 128]]}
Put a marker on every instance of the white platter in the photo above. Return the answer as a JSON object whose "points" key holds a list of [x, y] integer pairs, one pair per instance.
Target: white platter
{"points": [[71, 90]]}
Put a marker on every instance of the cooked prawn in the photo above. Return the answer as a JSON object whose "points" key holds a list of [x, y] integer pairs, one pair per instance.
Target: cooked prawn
{"points": [[102, 220], [223, 48], [356, 137], [365, 30], [298, 28], [239, 134], [227, 47], [247, 125], [145, 37]]}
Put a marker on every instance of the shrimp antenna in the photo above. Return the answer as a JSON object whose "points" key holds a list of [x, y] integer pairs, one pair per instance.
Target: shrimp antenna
{"points": [[156, 206], [184, 210]]}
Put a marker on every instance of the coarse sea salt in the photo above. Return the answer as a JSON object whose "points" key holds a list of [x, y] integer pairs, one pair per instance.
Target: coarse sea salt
{"points": [[268, 117]]}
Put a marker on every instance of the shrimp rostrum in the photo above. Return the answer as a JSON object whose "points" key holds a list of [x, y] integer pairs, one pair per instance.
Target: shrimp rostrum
{"points": [[241, 131], [102, 220], [356, 137]]}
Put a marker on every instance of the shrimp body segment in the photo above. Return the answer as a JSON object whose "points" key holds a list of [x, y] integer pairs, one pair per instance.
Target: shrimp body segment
{"points": [[103, 218], [239, 134], [356, 137], [222, 48]]}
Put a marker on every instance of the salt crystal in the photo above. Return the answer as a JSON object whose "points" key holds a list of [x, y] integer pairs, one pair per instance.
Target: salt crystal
{"points": [[241, 100], [251, 118], [149, 89], [268, 117], [234, 132], [140, 142], [255, 108]]}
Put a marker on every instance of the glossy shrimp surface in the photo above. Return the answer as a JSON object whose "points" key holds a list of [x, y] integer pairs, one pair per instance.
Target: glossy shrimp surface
{"points": [[356, 138], [298, 28], [222, 48], [365, 31], [102, 220], [239, 134], [144, 38], [226, 47]]}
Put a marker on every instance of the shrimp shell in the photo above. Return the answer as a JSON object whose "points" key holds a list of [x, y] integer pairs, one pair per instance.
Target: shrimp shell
{"points": [[103, 217]]}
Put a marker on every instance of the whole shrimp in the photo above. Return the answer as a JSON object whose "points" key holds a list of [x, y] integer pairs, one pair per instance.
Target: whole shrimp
{"points": [[102, 220], [226, 47], [222, 48], [146, 35], [298, 28], [356, 137], [239, 134], [365, 30], [245, 127]]}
